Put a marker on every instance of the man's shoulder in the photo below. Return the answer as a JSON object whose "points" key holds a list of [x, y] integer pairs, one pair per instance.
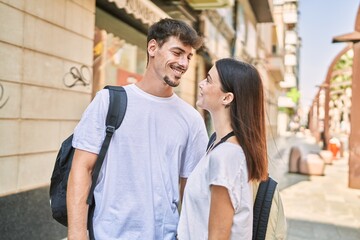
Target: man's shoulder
{"points": [[187, 106]]}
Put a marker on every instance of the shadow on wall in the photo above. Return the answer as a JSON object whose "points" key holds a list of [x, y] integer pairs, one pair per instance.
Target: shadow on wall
{"points": [[27, 215]]}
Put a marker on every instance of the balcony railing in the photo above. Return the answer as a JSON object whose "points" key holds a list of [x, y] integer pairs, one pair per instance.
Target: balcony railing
{"points": [[290, 59], [290, 17], [284, 101], [291, 37], [275, 64]]}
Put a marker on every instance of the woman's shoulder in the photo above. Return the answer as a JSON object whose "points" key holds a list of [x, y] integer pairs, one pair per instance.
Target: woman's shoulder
{"points": [[227, 152], [228, 148]]}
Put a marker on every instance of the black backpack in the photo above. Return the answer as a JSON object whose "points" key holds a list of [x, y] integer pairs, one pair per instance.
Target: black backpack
{"points": [[59, 178], [262, 204], [262, 207]]}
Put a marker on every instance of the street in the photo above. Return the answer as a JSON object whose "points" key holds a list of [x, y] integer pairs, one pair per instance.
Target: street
{"points": [[316, 207]]}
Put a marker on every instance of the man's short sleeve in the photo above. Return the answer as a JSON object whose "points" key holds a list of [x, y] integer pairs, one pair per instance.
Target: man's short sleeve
{"points": [[195, 148], [90, 131]]}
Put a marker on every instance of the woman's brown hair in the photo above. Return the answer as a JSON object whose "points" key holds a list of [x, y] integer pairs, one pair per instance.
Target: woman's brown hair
{"points": [[247, 112]]}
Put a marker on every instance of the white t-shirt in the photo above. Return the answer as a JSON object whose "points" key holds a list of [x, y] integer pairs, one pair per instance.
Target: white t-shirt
{"points": [[137, 192], [223, 166]]}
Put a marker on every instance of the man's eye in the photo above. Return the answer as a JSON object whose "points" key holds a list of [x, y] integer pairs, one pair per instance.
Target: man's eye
{"points": [[176, 53]]}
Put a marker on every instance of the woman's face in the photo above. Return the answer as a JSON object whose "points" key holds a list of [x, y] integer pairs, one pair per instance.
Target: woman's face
{"points": [[210, 94]]}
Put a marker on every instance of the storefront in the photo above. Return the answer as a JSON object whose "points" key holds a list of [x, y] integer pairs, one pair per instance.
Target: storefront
{"points": [[120, 41]]}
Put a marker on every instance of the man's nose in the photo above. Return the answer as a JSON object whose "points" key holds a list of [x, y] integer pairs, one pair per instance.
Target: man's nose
{"points": [[184, 62]]}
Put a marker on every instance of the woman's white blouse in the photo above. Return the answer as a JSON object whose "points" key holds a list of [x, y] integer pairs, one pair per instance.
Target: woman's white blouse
{"points": [[223, 166]]}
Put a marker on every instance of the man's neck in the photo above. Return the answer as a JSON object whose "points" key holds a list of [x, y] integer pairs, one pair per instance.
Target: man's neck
{"points": [[155, 87]]}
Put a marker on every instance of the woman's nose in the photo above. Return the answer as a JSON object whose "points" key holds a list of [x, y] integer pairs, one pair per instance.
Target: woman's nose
{"points": [[201, 83]]}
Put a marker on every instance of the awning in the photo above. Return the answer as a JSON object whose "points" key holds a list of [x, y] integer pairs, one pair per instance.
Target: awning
{"points": [[144, 10]]}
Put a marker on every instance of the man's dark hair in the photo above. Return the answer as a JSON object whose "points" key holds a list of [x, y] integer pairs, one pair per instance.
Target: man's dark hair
{"points": [[167, 27]]}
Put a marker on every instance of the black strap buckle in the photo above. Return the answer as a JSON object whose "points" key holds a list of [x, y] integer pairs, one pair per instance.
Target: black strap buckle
{"points": [[110, 129]]}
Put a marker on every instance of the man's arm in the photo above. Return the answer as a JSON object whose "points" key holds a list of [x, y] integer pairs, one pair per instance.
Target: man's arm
{"points": [[77, 192]]}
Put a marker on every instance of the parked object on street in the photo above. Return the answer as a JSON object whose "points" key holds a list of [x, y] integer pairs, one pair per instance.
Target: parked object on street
{"points": [[312, 164], [302, 160], [334, 146], [294, 158], [327, 156]]}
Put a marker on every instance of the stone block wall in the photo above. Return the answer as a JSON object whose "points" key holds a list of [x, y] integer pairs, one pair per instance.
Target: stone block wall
{"points": [[40, 41]]}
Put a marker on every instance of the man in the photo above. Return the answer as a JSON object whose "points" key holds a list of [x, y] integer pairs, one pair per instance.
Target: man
{"points": [[158, 144]]}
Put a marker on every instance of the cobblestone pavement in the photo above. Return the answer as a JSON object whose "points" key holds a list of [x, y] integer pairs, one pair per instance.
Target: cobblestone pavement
{"points": [[316, 207]]}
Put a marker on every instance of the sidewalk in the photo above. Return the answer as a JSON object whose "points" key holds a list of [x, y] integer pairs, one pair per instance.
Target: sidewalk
{"points": [[316, 207]]}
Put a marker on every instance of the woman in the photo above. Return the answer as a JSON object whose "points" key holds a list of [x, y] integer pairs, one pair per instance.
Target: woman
{"points": [[218, 198]]}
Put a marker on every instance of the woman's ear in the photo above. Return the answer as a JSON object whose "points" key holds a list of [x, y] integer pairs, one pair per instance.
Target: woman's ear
{"points": [[152, 45], [228, 98]]}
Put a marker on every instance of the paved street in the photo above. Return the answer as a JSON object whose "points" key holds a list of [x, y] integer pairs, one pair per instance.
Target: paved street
{"points": [[316, 207]]}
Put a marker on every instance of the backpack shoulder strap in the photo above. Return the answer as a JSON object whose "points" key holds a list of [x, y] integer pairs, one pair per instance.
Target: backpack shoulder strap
{"points": [[117, 106], [114, 118], [211, 140], [262, 208]]}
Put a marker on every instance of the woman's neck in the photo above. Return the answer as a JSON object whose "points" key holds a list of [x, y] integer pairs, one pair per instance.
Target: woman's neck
{"points": [[222, 123]]}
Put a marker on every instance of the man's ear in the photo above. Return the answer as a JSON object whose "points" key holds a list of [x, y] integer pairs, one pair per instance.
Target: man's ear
{"points": [[228, 98], [152, 46]]}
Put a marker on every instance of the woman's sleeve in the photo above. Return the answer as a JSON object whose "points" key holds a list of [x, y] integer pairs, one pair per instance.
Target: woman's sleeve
{"points": [[225, 169]]}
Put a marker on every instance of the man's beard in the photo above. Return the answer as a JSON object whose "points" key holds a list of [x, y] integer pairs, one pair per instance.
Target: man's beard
{"points": [[171, 83]]}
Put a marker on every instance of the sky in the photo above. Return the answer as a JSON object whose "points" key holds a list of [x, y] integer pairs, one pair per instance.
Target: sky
{"points": [[319, 22]]}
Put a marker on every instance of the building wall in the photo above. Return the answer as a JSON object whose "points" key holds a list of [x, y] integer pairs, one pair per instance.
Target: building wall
{"points": [[39, 42]]}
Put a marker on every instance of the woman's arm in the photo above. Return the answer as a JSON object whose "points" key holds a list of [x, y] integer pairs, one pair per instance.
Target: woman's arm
{"points": [[221, 213]]}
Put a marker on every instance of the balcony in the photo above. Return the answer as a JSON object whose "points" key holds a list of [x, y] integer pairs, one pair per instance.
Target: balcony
{"points": [[275, 64], [278, 2], [290, 59], [290, 13], [290, 17], [284, 101], [291, 37], [289, 81]]}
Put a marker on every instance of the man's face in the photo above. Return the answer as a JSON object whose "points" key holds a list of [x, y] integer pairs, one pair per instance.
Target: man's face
{"points": [[171, 60]]}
